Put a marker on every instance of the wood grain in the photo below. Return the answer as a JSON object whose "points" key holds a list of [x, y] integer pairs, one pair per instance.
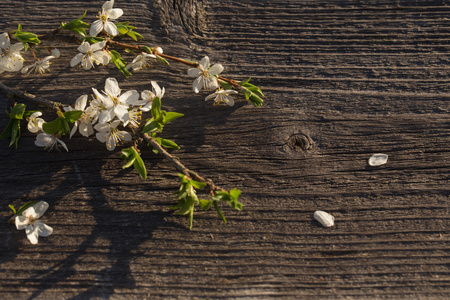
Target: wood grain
{"points": [[343, 80]]}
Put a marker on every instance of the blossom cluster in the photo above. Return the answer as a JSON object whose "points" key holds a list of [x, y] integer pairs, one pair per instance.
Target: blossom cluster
{"points": [[105, 113]]}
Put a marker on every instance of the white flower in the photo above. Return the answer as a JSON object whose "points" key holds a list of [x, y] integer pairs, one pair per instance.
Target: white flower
{"points": [[223, 96], [34, 122], [116, 105], [90, 54], [49, 141], [107, 13], [111, 135], [10, 58], [84, 122], [148, 96], [135, 117], [206, 77], [40, 66], [140, 61], [29, 221]]}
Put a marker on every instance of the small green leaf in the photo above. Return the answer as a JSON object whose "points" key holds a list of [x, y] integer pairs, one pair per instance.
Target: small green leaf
{"points": [[26, 37], [7, 131], [12, 208], [93, 39], [151, 125], [135, 160], [76, 25], [197, 184], [156, 108], [17, 111], [163, 60], [73, 115], [147, 49], [25, 206], [168, 144], [205, 204], [140, 166], [170, 116], [119, 62], [58, 125], [219, 211]]}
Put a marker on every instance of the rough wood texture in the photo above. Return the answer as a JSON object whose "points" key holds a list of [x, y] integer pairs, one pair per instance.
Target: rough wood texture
{"points": [[343, 80]]}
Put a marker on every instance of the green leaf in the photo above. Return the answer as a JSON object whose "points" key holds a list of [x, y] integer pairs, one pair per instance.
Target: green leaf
{"points": [[151, 125], [17, 111], [163, 60], [197, 184], [93, 40], [7, 131], [134, 35], [140, 166], [12, 208], [25, 206], [170, 116], [156, 108], [76, 25], [225, 85], [168, 144], [26, 37], [73, 115], [59, 125], [205, 204], [219, 211], [235, 193], [119, 62], [15, 133], [147, 49], [134, 159]]}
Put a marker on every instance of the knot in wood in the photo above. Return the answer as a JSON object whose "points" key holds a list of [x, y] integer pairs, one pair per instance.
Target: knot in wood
{"points": [[299, 143]]}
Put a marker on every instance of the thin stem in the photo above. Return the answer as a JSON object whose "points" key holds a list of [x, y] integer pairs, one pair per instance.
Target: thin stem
{"points": [[210, 186], [31, 98]]}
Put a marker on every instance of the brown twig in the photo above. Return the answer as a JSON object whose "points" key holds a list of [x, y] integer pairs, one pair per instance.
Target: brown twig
{"points": [[210, 186], [31, 98]]}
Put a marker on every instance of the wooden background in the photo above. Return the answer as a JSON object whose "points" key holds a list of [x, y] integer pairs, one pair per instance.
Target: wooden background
{"points": [[343, 80]]}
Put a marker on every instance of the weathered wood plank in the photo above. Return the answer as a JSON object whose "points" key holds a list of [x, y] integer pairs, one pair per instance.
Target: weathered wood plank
{"points": [[356, 78]]}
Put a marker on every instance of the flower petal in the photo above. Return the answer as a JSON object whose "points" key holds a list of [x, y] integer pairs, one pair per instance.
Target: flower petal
{"points": [[111, 28], [112, 87], [96, 27], [84, 47], [16, 47], [106, 115], [76, 59], [81, 102], [194, 72], [21, 222], [74, 129], [43, 229], [98, 46], [101, 136], [40, 208], [115, 13], [4, 41], [111, 143], [197, 84], [32, 234], [108, 5], [124, 136], [204, 63], [210, 96], [129, 97], [216, 69]]}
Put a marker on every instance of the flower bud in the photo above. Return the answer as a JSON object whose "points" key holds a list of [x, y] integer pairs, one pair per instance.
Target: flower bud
{"points": [[159, 50], [324, 218], [55, 52]]}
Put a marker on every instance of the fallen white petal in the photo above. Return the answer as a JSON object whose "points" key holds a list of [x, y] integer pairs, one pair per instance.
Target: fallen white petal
{"points": [[324, 218], [378, 159]]}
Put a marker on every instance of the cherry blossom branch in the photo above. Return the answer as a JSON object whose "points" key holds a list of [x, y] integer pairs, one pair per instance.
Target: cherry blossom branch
{"points": [[210, 186], [173, 58]]}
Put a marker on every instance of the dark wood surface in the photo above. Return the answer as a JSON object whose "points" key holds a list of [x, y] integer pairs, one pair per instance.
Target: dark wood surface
{"points": [[343, 80]]}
